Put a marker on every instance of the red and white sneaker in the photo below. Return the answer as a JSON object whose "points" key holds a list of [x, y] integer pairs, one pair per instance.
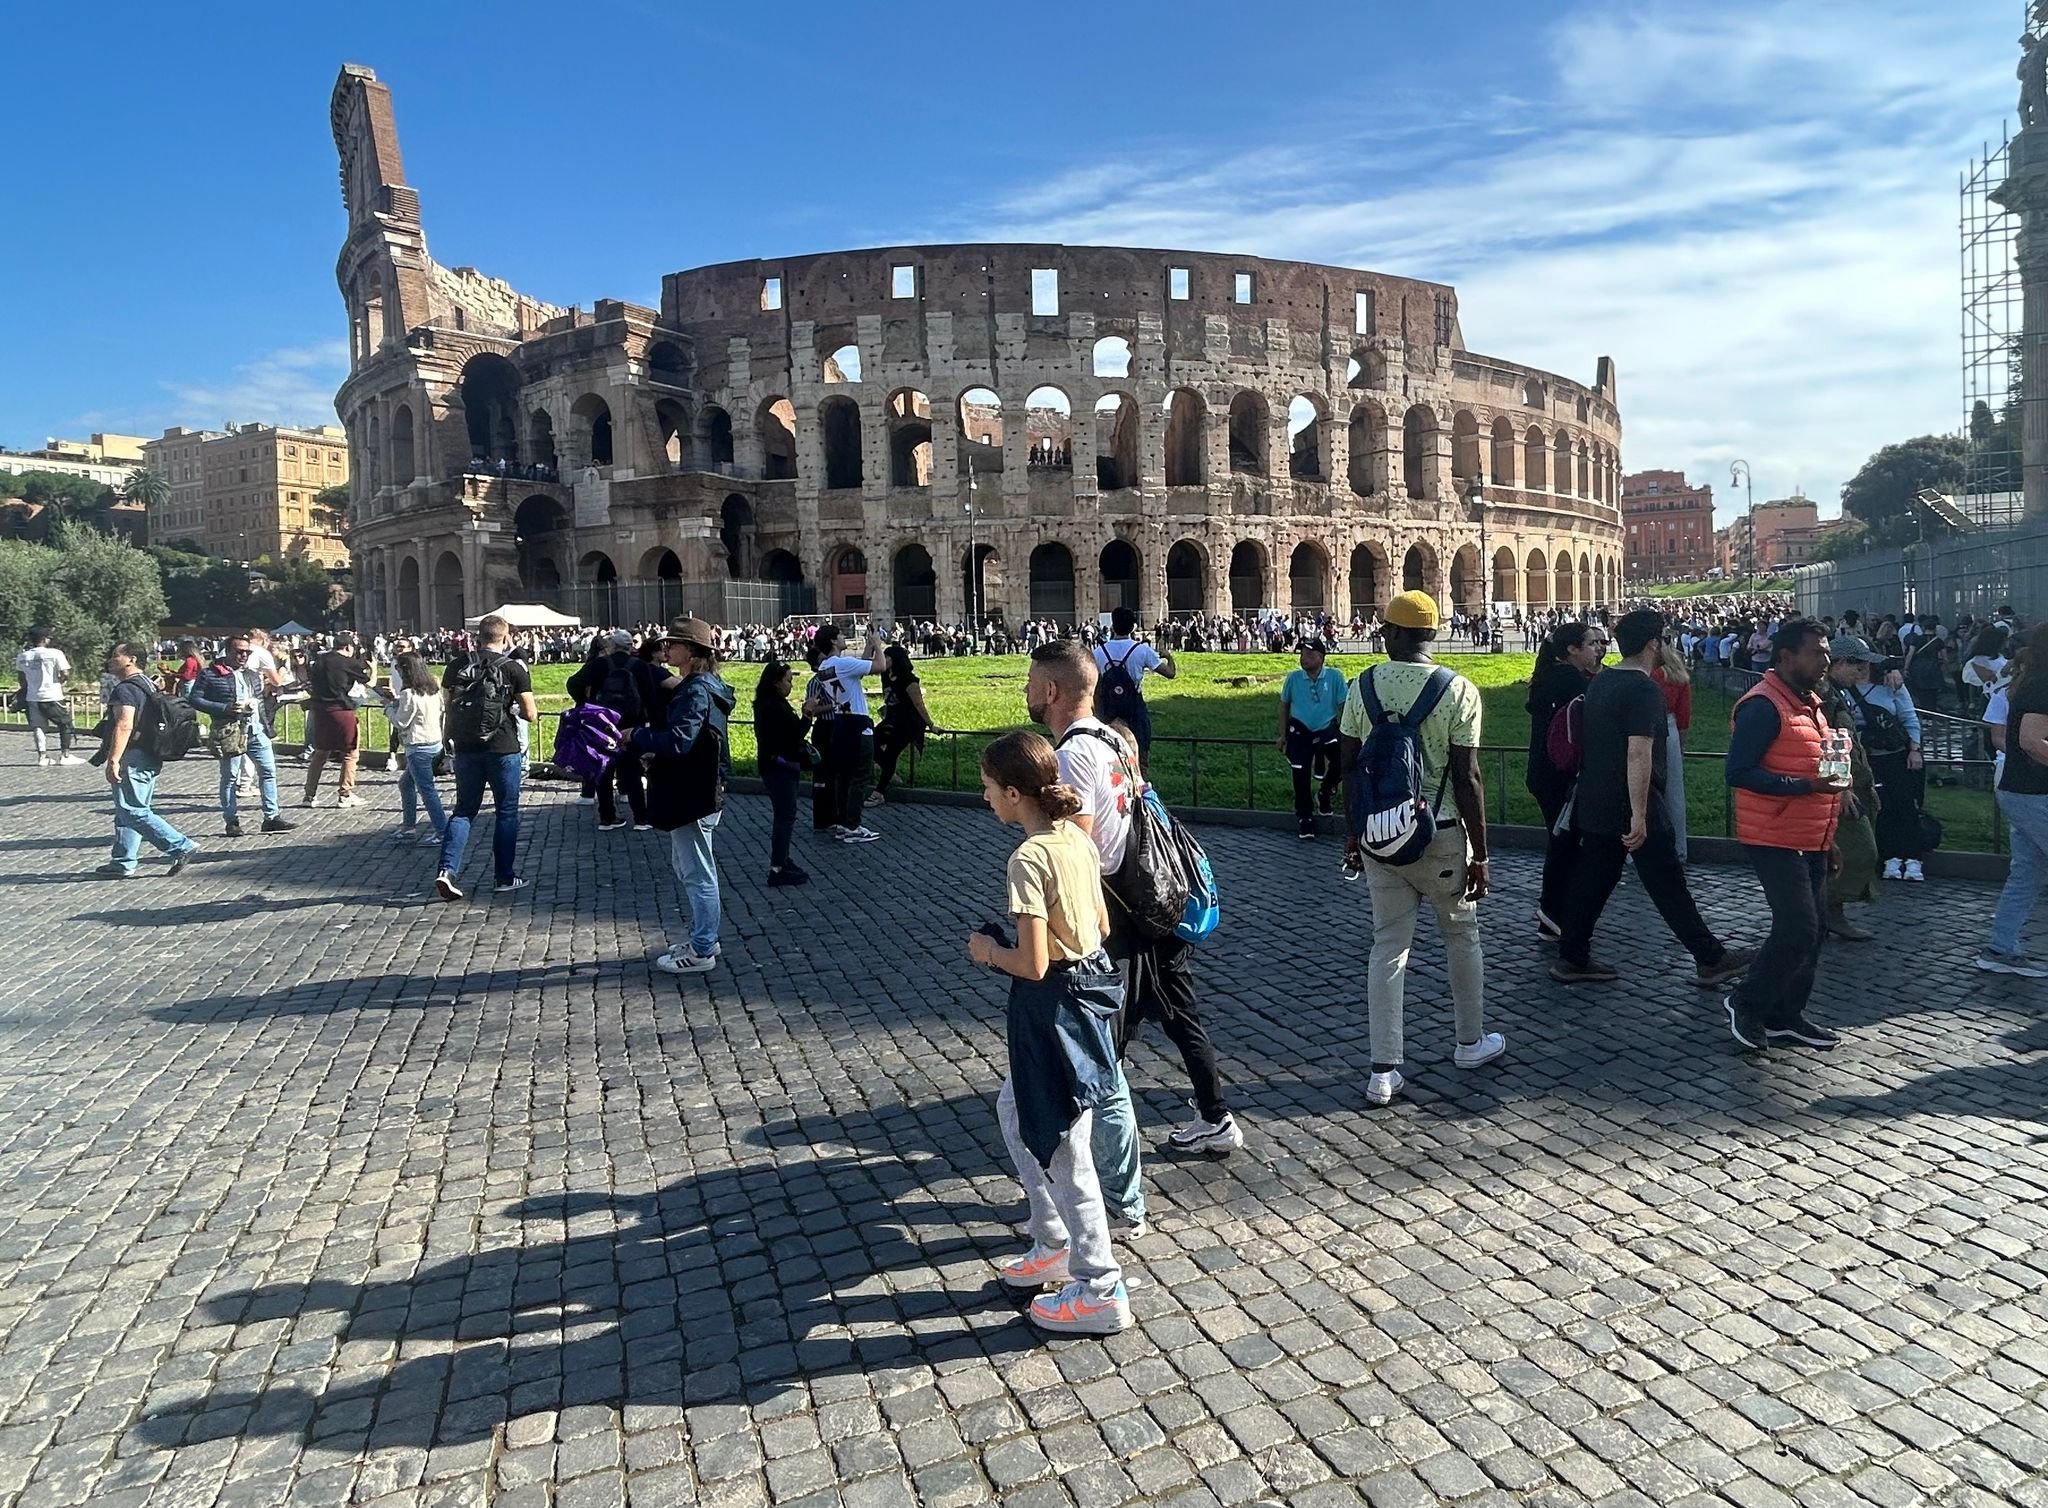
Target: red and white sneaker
{"points": [[1076, 1311], [1037, 1268]]}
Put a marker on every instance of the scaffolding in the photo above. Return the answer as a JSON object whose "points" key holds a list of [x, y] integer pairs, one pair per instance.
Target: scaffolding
{"points": [[1993, 314]]}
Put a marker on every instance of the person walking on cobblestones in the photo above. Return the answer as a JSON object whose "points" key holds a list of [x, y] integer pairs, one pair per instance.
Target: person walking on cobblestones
{"points": [[232, 694], [43, 671], [131, 768], [1785, 817], [2023, 798], [687, 778], [331, 725], [1451, 873], [1065, 993], [417, 713], [1565, 667], [488, 693], [1159, 976]]}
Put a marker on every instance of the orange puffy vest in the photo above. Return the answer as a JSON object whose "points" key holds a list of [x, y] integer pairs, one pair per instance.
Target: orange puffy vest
{"points": [[1805, 823]]}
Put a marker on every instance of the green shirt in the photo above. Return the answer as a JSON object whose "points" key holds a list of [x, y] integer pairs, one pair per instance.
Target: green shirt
{"points": [[1455, 722]]}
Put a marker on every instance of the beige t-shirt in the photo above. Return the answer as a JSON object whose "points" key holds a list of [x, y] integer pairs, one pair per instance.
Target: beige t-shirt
{"points": [[1058, 876]]}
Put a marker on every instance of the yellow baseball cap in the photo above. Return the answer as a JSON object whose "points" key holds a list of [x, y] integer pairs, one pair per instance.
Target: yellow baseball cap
{"points": [[1412, 610]]}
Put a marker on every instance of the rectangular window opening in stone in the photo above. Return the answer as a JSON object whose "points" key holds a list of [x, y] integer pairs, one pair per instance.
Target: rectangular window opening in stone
{"points": [[771, 293], [1045, 290], [1241, 288], [903, 282], [1177, 282], [1364, 319]]}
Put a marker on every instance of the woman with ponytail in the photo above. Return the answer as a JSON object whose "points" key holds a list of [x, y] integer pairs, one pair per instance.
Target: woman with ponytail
{"points": [[1064, 996]]}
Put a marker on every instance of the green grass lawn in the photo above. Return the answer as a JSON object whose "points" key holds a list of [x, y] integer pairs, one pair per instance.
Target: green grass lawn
{"points": [[1214, 728]]}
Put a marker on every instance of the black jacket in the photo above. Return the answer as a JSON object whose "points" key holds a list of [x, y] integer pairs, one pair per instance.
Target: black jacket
{"points": [[1552, 687], [779, 734]]}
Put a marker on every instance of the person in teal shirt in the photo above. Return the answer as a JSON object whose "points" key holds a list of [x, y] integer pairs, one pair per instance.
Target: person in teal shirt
{"points": [[1311, 699]]}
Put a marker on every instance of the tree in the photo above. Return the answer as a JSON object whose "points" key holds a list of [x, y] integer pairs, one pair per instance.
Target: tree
{"points": [[1881, 494], [147, 488], [89, 589], [301, 589], [1840, 544], [329, 510], [68, 494]]}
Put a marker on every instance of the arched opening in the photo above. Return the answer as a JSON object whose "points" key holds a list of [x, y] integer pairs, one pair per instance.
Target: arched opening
{"points": [[839, 432], [402, 468], [1366, 369], [1186, 445], [449, 606], [534, 521], [599, 579], [373, 451], [1049, 429], [981, 432], [1247, 577], [1116, 442], [1305, 453], [1567, 584], [783, 568], [981, 583], [1367, 465], [489, 390], [914, 584], [909, 413], [540, 431], [1532, 394], [1464, 445], [666, 364], [1112, 357], [1248, 433], [661, 578], [1308, 575], [842, 365], [1585, 465], [776, 423], [1561, 465], [1586, 580], [1537, 580], [736, 534], [1187, 578], [1052, 583], [1367, 581], [1418, 451], [849, 571], [412, 612], [1467, 583], [672, 427], [1535, 461], [714, 436], [590, 433], [1503, 458], [1504, 576], [1122, 574], [1418, 570]]}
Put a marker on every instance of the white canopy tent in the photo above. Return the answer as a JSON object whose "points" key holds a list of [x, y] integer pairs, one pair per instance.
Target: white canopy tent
{"points": [[527, 615]]}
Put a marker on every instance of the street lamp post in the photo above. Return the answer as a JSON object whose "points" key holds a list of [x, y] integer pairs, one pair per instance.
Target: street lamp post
{"points": [[973, 565], [1476, 493], [1739, 472]]}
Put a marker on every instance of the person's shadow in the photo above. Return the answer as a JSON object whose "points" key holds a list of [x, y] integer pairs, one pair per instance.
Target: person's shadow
{"points": [[726, 1285]]}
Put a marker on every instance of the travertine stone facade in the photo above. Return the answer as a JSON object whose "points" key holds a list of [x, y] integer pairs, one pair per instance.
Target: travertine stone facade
{"points": [[1180, 431]]}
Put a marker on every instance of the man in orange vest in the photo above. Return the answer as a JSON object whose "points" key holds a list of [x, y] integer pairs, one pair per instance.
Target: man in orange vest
{"points": [[1785, 816]]}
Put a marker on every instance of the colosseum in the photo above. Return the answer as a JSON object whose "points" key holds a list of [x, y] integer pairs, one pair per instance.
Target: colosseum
{"points": [[950, 432]]}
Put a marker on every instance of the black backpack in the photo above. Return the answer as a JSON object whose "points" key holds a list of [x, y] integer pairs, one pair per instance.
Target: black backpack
{"points": [[1116, 694], [167, 727], [1151, 885], [478, 690], [620, 691]]}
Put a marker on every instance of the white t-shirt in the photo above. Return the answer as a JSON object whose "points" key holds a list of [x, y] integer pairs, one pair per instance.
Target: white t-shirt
{"points": [[1092, 768], [1142, 657], [43, 670], [842, 675], [1996, 712]]}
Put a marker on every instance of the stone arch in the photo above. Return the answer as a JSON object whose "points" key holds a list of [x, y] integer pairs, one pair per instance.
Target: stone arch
{"points": [[839, 436], [981, 580], [1586, 598], [1565, 580], [1584, 462], [413, 612], [909, 416], [1561, 465], [1532, 394], [590, 431], [1187, 443], [714, 436], [599, 579], [450, 602], [1308, 447], [404, 462], [667, 364], [1116, 442], [1535, 461], [540, 434], [1465, 458], [841, 364], [1111, 357], [1368, 579], [1052, 582], [672, 429], [1504, 589], [775, 423], [1419, 431], [913, 583], [1308, 578], [1504, 468], [534, 523], [980, 413], [1048, 429], [1536, 580], [489, 390], [846, 569], [1187, 578], [1419, 569], [660, 564], [1249, 427], [1468, 586], [1368, 463], [782, 567], [736, 534], [1367, 368], [1247, 576], [1122, 573]]}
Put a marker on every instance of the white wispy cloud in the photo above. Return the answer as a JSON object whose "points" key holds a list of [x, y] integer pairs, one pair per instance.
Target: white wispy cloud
{"points": [[1751, 207], [290, 385]]}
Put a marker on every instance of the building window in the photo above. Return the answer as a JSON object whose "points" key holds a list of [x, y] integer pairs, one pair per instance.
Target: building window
{"points": [[291, 450], [771, 293], [1362, 319], [1241, 288], [903, 282], [1177, 282], [1045, 290]]}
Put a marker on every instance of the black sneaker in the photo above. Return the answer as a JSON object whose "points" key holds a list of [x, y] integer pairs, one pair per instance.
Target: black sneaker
{"points": [[1733, 965], [113, 872], [446, 888], [1305, 829], [1566, 972], [1325, 805], [178, 862], [232, 830], [278, 825], [1744, 1027], [1806, 1033], [790, 876]]}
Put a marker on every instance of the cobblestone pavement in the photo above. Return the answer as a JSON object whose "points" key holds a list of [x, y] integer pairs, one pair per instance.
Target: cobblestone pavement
{"points": [[317, 1192]]}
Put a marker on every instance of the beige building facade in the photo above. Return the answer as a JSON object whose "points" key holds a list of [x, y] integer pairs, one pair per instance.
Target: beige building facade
{"points": [[248, 493], [924, 431]]}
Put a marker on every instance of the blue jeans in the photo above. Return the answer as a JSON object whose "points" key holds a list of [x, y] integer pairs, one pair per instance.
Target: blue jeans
{"points": [[265, 759], [2027, 818], [133, 820], [697, 872], [416, 785], [473, 772], [1114, 1138]]}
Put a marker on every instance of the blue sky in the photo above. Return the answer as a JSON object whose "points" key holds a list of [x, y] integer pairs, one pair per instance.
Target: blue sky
{"points": [[1751, 205]]}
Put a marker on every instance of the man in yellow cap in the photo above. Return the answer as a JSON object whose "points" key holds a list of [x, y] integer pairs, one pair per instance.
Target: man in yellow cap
{"points": [[1451, 872]]}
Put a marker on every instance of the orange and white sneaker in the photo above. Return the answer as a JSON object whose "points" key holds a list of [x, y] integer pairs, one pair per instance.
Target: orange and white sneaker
{"points": [[1076, 1311], [1037, 1268]]}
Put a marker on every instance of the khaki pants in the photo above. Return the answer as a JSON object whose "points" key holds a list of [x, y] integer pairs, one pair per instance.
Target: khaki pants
{"points": [[1397, 893], [317, 760]]}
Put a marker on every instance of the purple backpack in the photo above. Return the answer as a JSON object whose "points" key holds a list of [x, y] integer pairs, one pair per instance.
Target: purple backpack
{"points": [[587, 739]]}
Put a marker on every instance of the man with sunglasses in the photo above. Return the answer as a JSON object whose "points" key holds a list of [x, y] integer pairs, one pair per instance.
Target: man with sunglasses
{"points": [[231, 690]]}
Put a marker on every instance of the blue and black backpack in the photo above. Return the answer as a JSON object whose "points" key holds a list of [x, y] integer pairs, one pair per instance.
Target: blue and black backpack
{"points": [[1392, 815]]}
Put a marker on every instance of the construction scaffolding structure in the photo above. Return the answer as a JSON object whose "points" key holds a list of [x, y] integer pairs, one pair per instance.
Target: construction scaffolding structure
{"points": [[1993, 369]]}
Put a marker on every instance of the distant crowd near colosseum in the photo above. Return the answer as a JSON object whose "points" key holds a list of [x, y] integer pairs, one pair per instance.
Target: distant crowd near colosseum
{"points": [[945, 432]]}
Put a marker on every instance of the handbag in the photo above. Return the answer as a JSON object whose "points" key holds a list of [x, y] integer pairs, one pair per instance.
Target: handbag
{"points": [[231, 738]]}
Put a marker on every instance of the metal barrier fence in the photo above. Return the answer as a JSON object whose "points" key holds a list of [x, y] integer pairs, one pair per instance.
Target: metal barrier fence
{"points": [[1970, 573]]}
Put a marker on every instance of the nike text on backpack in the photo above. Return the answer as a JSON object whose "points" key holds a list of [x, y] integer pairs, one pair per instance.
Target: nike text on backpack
{"points": [[478, 689], [1116, 693], [587, 740], [1564, 741], [1150, 885], [167, 727], [1392, 815]]}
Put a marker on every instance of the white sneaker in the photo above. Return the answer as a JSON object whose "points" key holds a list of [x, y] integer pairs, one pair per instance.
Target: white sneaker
{"points": [[1209, 1136], [686, 962], [875, 798], [1914, 872], [1485, 1050], [838, 831], [1037, 1268], [44, 761], [1130, 1230], [1074, 1310], [1893, 870], [1381, 1088], [446, 888], [67, 759], [643, 827], [862, 835], [349, 800], [515, 883]]}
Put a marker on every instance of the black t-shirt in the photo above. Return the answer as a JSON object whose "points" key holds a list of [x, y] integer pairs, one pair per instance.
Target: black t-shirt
{"points": [[330, 675], [2023, 776], [132, 693], [518, 682], [1620, 704]]}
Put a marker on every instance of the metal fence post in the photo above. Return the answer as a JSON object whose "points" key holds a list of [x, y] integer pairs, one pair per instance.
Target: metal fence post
{"points": [[1194, 772], [1250, 776]]}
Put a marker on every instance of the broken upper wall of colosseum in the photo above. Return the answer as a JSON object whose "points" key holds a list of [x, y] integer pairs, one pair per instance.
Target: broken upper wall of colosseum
{"points": [[464, 299]]}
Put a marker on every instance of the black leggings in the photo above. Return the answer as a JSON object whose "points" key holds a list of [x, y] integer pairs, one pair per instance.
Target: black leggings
{"points": [[1559, 854], [1159, 984]]}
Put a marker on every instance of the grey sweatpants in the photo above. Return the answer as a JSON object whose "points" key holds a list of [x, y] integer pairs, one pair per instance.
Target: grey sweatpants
{"points": [[1066, 1201]]}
